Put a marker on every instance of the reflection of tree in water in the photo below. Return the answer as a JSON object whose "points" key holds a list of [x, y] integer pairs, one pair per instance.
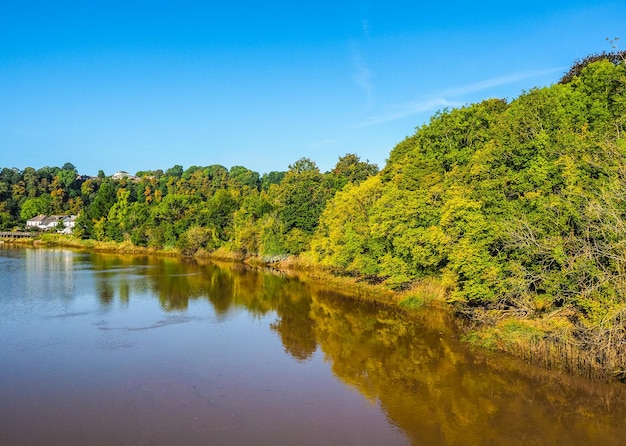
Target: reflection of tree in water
{"points": [[428, 384], [294, 324], [113, 276], [106, 293], [175, 282], [438, 393], [261, 292]]}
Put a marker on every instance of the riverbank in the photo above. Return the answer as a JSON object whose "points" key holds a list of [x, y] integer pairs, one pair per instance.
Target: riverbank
{"points": [[552, 341]]}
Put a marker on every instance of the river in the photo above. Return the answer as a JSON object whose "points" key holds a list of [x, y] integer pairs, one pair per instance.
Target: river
{"points": [[105, 349]]}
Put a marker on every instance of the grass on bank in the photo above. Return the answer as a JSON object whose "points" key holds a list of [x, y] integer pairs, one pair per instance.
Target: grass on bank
{"points": [[125, 247], [426, 292]]}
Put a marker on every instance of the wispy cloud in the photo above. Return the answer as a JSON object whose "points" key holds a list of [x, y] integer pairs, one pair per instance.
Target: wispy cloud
{"points": [[408, 109], [453, 97], [498, 81], [362, 74], [365, 28]]}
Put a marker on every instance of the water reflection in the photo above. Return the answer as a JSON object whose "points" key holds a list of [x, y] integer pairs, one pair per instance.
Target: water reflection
{"points": [[429, 385], [43, 272], [438, 392]]}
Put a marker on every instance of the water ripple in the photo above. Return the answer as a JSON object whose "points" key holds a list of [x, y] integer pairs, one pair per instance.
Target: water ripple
{"points": [[158, 324]]}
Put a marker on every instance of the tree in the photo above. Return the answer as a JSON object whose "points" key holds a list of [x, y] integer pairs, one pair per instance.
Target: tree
{"points": [[303, 165], [175, 171], [194, 239], [301, 196], [218, 213], [615, 57], [270, 178], [70, 167], [31, 179], [32, 207], [117, 218], [66, 178], [350, 169], [346, 237], [240, 176]]}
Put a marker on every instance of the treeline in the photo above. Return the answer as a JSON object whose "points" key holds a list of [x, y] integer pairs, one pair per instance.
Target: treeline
{"points": [[200, 208], [519, 208]]}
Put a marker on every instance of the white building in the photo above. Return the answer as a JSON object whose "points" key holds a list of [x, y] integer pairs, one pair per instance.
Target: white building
{"points": [[45, 223], [121, 174]]}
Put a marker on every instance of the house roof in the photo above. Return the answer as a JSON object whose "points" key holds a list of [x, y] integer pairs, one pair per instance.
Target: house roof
{"points": [[52, 219], [38, 218], [48, 222]]}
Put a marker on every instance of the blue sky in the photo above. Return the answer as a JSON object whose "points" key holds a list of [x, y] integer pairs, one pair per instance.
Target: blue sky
{"points": [[146, 85]]}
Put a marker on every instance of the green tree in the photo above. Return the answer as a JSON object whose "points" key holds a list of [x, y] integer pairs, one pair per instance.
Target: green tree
{"points": [[270, 178], [350, 169], [218, 214], [240, 176], [32, 207], [175, 171], [345, 237], [301, 196]]}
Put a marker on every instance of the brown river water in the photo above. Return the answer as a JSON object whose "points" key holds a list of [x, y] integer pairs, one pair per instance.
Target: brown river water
{"points": [[101, 349]]}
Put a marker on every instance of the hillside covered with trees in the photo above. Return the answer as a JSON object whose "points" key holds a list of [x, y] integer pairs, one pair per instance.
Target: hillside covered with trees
{"points": [[518, 209], [200, 208]]}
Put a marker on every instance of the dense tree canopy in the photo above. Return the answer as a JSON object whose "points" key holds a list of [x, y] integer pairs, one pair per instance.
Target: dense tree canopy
{"points": [[518, 207], [198, 208]]}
